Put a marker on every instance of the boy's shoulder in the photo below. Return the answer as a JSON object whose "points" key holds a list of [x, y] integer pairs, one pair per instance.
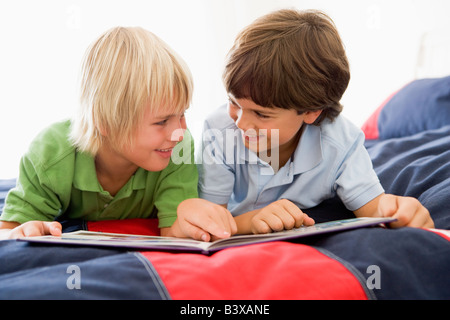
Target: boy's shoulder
{"points": [[340, 132], [51, 145]]}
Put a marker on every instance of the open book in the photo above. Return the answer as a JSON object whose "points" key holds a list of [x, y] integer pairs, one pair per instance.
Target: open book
{"points": [[91, 238]]}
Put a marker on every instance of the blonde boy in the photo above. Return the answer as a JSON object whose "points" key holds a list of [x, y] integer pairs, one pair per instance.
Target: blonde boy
{"points": [[113, 161]]}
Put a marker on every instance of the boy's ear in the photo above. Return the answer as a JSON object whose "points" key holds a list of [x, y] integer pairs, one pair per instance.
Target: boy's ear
{"points": [[102, 131], [311, 116]]}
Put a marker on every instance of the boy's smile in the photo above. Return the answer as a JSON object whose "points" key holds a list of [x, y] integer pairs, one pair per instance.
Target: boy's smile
{"points": [[266, 130], [165, 153], [156, 138]]}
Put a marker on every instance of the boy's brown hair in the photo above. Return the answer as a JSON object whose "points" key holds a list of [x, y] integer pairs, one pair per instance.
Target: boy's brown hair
{"points": [[290, 59]]}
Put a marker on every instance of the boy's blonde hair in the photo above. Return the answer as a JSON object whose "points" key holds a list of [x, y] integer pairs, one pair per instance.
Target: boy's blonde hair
{"points": [[289, 59], [124, 72]]}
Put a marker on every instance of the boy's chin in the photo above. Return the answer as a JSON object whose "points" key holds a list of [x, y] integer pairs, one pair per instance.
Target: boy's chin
{"points": [[156, 165], [256, 147]]}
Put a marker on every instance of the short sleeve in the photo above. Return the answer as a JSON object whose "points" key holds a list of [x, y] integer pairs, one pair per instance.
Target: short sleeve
{"points": [[32, 198], [216, 172], [356, 182]]}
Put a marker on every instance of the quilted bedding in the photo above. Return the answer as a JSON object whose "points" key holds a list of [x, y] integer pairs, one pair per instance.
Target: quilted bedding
{"points": [[369, 263]]}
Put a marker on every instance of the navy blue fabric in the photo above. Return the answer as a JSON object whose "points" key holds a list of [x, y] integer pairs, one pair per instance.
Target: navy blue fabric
{"points": [[417, 166], [29, 271], [328, 210], [413, 263], [421, 105]]}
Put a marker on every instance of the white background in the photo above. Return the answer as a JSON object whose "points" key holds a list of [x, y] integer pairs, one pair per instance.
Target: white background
{"points": [[42, 44]]}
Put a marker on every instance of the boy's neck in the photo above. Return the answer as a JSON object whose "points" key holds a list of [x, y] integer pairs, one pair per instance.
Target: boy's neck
{"points": [[113, 171], [284, 151]]}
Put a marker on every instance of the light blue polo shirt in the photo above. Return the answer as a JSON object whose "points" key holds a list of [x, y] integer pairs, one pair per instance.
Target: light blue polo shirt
{"points": [[330, 159]]}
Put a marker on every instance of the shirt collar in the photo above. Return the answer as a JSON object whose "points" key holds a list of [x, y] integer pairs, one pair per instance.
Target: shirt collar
{"points": [[307, 155], [85, 175]]}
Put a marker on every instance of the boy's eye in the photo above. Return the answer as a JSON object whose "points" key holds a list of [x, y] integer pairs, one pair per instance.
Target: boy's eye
{"points": [[260, 115], [161, 123], [164, 122], [231, 102]]}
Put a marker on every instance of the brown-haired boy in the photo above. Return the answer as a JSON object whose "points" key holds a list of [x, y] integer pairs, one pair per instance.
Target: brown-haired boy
{"points": [[285, 76]]}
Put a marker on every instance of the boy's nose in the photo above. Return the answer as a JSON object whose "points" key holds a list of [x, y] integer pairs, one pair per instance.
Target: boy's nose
{"points": [[232, 111], [177, 135], [242, 122], [178, 130], [239, 117]]}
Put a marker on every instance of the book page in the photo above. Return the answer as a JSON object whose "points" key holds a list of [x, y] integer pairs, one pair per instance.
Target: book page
{"points": [[172, 243]]}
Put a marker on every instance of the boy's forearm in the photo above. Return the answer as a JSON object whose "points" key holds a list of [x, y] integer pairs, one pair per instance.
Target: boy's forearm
{"points": [[369, 209], [6, 227]]}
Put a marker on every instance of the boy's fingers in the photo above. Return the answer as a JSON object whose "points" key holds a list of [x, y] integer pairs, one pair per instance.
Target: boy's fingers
{"points": [[413, 213], [408, 211], [36, 228], [260, 226], [228, 222], [307, 220], [299, 216], [217, 231], [31, 230], [204, 228], [229, 227], [42, 228], [387, 205], [53, 228], [418, 221], [275, 222], [196, 233], [232, 223], [282, 214]]}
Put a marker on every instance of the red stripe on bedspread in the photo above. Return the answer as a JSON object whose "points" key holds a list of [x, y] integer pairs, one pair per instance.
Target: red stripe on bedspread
{"points": [[276, 270], [443, 233], [370, 127], [130, 226]]}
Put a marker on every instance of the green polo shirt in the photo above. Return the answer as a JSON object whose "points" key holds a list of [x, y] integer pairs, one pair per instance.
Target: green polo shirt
{"points": [[55, 179]]}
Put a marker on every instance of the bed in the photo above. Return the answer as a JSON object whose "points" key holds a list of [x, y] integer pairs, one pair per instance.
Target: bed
{"points": [[408, 139]]}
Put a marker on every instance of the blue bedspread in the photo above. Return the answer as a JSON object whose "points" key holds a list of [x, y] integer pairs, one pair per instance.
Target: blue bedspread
{"points": [[417, 166]]}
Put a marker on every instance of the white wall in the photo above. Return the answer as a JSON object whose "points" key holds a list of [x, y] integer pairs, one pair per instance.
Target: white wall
{"points": [[42, 44]]}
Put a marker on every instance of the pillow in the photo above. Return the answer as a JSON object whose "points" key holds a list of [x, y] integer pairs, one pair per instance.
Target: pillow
{"points": [[419, 106], [370, 127]]}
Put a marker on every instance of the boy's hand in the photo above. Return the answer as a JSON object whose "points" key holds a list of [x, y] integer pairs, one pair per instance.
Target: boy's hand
{"points": [[408, 211], [279, 215], [35, 228], [202, 220]]}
